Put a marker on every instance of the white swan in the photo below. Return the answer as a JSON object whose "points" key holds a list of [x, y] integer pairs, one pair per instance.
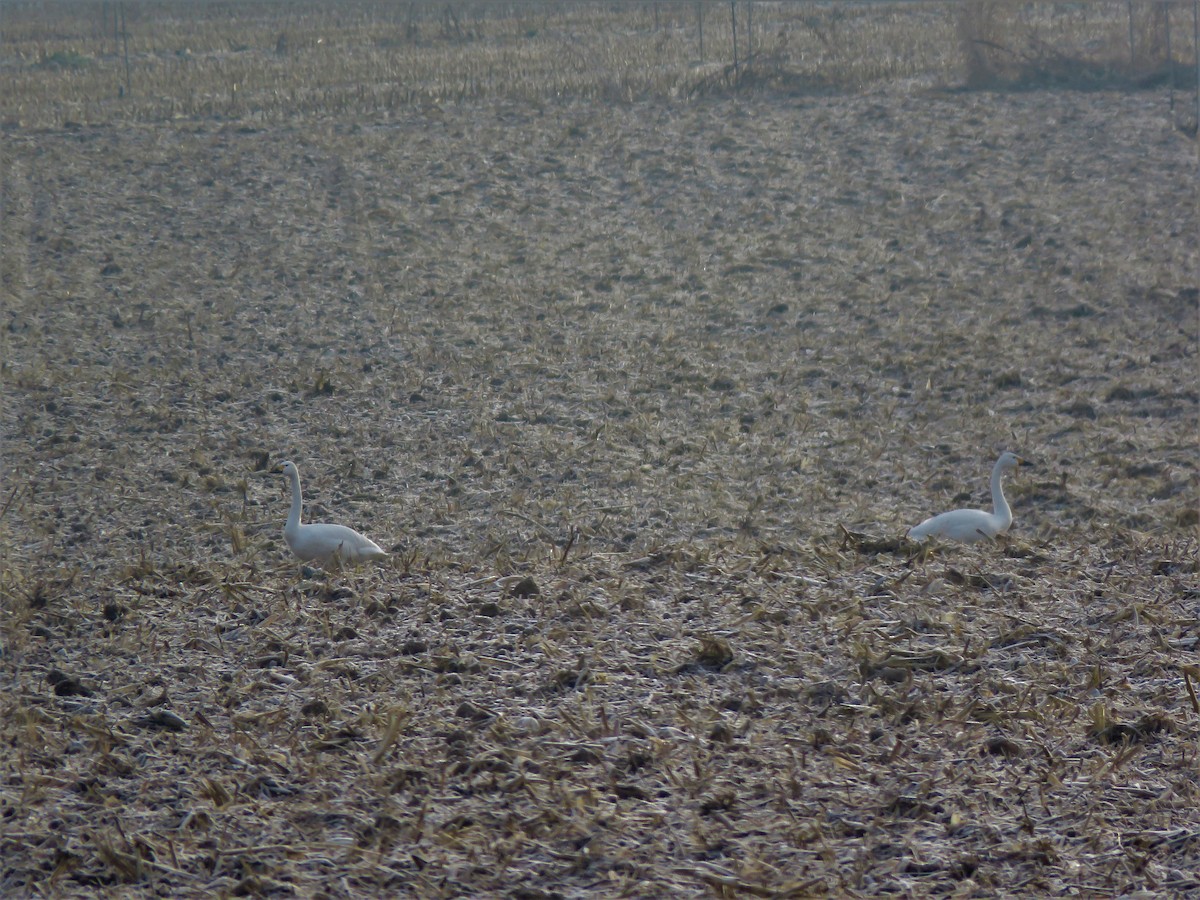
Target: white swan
{"points": [[319, 542], [970, 525]]}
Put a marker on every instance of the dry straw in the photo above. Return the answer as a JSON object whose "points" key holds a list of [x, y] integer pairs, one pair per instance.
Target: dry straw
{"points": [[644, 383]]}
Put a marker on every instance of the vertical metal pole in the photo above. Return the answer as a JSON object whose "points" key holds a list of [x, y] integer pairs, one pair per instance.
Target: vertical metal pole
{"points": [[125, 44], [1165, 5], [1129, 7], [749, 31], [733, 19], [1196, 54]]}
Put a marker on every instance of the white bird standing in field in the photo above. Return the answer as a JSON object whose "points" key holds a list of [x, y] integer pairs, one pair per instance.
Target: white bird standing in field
{"points": [[971, 525], [319, 542]]}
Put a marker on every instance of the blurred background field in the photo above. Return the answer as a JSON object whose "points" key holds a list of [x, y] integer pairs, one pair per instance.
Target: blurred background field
{"points": [[109, 61], [640, 353]]}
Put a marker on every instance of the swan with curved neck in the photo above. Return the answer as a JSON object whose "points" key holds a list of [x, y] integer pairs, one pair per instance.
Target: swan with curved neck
{"points": [[971, 525], [319, 542]]}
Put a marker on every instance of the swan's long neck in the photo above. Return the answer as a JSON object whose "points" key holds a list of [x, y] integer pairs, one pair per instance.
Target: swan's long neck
{"points": [[1000, 508], [293, 519]]}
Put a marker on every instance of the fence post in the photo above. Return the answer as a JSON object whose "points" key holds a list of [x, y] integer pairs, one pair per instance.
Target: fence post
{"points": [[733, 21], [1129, 9], [1196, 54], [125, 45]]}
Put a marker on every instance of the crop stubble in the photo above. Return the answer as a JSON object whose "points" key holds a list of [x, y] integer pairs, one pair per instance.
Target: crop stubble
{"points": [[648, 357]]}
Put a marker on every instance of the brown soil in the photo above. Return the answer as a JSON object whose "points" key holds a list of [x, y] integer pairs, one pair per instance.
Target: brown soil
{"points": [[612, 383]]}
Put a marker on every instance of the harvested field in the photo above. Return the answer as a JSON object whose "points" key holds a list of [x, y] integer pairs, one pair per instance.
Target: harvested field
{"points": [[641, 386]]}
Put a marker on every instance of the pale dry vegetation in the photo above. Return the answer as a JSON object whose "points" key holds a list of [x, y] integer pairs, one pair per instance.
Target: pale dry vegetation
{"points": [[271, 62], [640, 368]]}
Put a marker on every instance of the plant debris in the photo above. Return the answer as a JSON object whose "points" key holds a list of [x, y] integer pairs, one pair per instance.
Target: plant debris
{"points": [[605, 338]]}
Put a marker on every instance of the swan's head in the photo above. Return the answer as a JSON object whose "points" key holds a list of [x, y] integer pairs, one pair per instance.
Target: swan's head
{"points": [[287, 468], [1006, 463]]}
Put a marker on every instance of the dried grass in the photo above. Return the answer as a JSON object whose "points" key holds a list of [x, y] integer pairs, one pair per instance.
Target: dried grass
{"points": [[641, 397], [1083, 46]]}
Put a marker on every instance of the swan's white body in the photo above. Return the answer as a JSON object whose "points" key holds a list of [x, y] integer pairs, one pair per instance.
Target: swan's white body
{"points": [[971, 525], [319, 542]]}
